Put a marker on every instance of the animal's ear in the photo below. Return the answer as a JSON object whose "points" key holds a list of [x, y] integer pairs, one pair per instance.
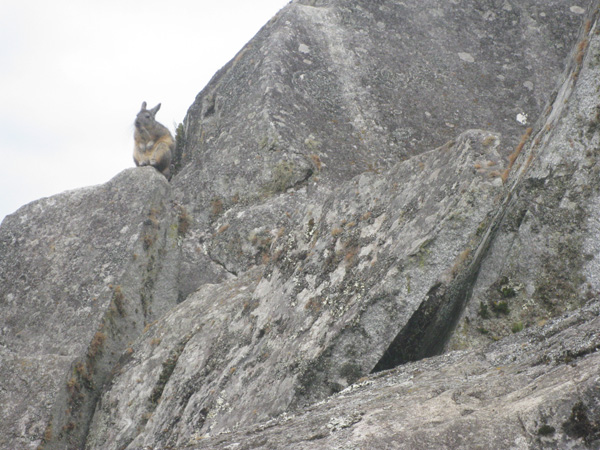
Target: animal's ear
{"points": [[155, 109], [143, 106]]}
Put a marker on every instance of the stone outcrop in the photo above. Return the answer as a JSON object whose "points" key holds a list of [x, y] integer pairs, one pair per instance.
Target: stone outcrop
{"points": [[345, 255], [538, 389], [327, 302], [81, 276]]}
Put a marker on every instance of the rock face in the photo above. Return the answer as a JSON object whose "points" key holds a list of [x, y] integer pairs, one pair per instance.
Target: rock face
{"points": [[329, 299], [338, 209], [81, 276], [539, 389]]}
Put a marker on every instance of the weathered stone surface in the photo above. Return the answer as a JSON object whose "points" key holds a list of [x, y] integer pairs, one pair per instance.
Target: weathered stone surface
{"points": [[321, 314], [82, 273], [310, 237], [538, 389], [362, 85], [544, 258], [331, 89]]}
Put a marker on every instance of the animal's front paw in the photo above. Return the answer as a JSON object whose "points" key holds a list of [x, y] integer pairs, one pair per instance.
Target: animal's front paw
{"points": [[153, 162], [143, 163]]}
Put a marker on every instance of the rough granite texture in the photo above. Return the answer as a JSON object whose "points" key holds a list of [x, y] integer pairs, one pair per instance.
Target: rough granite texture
{"points": [[319, 314], [80, 278], [345, 256], [539, 389]]}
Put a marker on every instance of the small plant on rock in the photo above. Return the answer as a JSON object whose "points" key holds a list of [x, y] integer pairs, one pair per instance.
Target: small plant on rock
{"points": [[483, 312], [516, 327], [500, 307]]}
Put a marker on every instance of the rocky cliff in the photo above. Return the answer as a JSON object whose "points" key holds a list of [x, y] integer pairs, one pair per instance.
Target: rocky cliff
{"points": [[381, 233]]}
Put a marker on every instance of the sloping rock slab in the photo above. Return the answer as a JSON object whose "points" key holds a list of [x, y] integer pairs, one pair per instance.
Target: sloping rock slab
{"points": [[78, 273], [352, 86], [545, 258], [537, 390], [378, 252]]}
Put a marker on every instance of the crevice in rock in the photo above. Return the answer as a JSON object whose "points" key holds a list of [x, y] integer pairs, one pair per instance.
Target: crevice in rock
{"points": [[583, 424], [286, 175], [222, 265], [431, 326], [309, 173], [209, 105], [168, 366], [87, 377], [129, 308], [167, 369]]}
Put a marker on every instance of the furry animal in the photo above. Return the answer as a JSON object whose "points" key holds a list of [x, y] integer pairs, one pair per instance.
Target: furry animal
{"points": [[154, 144]]}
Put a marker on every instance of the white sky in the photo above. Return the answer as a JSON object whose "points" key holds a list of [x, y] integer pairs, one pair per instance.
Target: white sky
{"points": [[73, 75]]}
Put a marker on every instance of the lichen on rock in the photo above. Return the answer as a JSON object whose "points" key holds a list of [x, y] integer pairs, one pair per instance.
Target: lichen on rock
{"points": [[360, 247]]}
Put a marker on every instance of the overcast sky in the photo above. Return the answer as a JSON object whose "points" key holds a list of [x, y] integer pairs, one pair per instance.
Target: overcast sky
{"points": [[73, 75]]}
